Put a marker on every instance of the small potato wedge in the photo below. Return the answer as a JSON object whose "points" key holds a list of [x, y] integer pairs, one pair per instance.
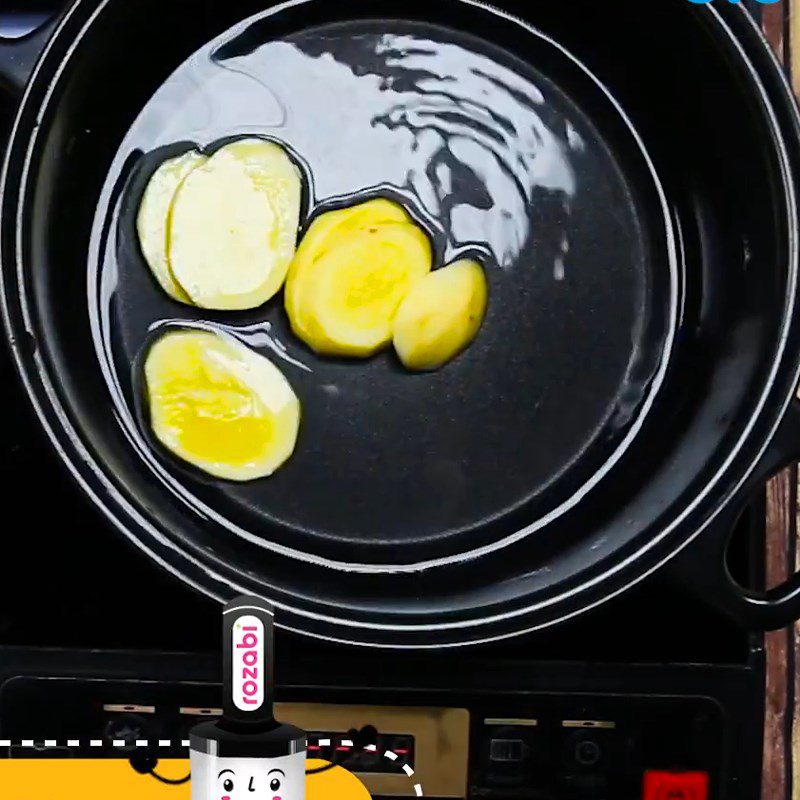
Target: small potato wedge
{"points": [[440, 315]]}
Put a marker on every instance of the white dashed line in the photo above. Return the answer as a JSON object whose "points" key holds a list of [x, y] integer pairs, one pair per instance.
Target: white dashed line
{"points": [[392, 756]]}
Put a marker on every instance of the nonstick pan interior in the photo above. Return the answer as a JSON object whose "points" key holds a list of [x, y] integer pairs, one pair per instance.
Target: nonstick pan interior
{"points": [[493, 158], [622, 290]]}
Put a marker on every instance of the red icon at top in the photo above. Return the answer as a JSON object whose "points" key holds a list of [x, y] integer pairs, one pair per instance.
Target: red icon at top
{"points": [[675, 785]]}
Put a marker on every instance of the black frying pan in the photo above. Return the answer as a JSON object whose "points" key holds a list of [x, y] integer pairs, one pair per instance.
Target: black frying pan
{"points": [[633, 198]]}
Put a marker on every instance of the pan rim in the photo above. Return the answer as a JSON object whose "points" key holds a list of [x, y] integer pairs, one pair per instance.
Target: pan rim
{"points": [[41, 378]]}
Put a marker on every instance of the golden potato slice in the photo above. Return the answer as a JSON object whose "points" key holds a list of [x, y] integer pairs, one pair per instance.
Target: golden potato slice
{"points": [[440, 315], [233, 227], [325, 231], [351, 271], [220, 406], [152, 221], [359, 286]]}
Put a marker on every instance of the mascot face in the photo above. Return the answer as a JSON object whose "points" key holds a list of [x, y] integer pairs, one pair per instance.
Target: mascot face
{"points": [[252, 781], [215, 778]]}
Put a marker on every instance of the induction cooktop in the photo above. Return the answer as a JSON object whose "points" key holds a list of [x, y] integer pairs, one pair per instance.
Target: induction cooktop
{"points": [[98, 642]]}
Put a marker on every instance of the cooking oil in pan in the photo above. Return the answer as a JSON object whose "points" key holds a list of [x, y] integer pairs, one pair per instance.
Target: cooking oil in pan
{"points": [[495, 161]]}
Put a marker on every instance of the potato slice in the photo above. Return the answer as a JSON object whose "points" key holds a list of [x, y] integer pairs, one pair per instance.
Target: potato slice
{"points": [[359, 286], [440, 315], [152, 221], [324, 232], [220, 406], [233, 228], [351, 271]]}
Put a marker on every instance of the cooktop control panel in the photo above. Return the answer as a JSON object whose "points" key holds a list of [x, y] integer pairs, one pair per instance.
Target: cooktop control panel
{"points": [[541, 746]]}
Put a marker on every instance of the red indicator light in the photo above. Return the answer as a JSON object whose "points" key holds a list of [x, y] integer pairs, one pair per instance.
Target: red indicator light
{"points": [[314, 747], [342, 747], [401, 751], [675, 785]]}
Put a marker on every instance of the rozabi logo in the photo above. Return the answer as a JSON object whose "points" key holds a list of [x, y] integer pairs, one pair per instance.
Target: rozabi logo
{"points": [[248, 663]]}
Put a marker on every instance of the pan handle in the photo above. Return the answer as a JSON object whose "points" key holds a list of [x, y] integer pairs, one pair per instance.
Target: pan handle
{"points": [[19, 56], [702, 567]]}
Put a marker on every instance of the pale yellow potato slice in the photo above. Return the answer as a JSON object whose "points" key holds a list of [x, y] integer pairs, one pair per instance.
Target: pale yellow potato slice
{"points": [[274, 173], [233, 228], [220, 406], [440, 315], [152, 221]]}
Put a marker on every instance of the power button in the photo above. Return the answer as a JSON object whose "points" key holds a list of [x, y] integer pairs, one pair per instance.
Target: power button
{"points": [[675, 785]]}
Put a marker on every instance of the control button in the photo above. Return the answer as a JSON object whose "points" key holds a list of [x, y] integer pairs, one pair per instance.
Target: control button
{"points": [[675, 785], [506, 750], [588, 752]]}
